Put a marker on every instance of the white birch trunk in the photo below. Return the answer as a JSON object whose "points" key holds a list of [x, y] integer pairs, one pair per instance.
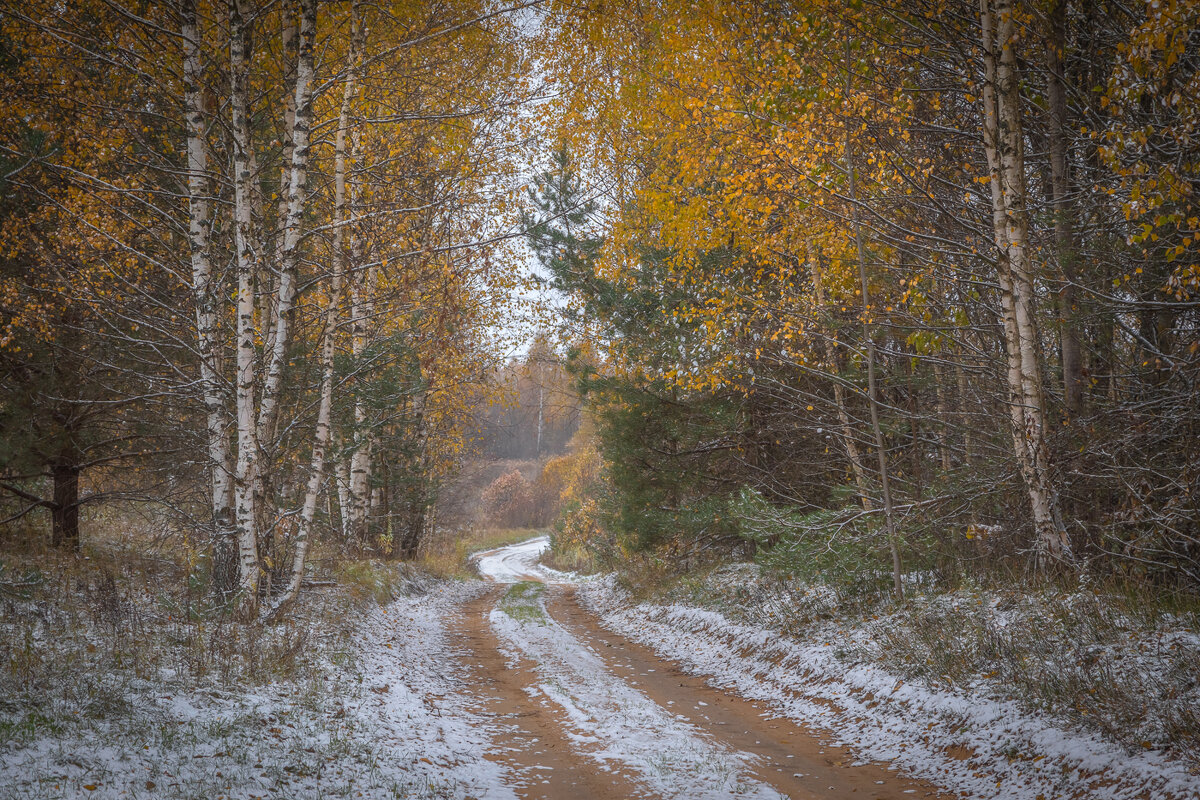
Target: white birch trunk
{"points": [[1004, 146], [342, 478], [361, 461], [291, 56], [270, 317], [247, 257], [208, 299], [322, 434], [316, 478], [293, 224]]}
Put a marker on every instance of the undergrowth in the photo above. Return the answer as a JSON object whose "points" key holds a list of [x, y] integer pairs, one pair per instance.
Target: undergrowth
{"points": [[82, 637], [1111, 656], [569, 557], [119, 656]]}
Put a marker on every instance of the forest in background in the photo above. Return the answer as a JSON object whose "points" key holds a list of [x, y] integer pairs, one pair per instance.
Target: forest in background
{"points": [[886, 294]]}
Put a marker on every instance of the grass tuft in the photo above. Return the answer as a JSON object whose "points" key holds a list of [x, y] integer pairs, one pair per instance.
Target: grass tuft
{"points": [[522, 602]]}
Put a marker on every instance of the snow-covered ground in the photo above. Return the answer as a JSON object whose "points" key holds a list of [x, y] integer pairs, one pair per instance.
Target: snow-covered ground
{"points": [[392, 711], [389, 719], [965, 741], [520, 562], [613, 722]]}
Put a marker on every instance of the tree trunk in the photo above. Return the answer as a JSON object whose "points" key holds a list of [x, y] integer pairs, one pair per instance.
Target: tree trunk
{"points": [[1004, 146], [1064, 217], [362, 456], [868, 336], [208, 299], [64, 511], [248, 251], [342, 478], [943, 413], [964, 416], [414, 526], [289, 250], [322, 435], [839, 396], [291, 54], [915, 454]]}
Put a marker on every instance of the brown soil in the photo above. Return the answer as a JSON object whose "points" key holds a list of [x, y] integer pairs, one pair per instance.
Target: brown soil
{"points": [[792, 759], [534, 743], [530, 729]]}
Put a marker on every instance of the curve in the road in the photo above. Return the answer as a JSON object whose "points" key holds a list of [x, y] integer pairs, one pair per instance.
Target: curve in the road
{"points": [[518, 562]]}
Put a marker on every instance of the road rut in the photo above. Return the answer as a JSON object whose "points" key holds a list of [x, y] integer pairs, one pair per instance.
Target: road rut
{"points": [[549, 675]]}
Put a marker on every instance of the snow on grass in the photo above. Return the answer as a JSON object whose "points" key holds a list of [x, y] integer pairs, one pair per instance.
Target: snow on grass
{"points": [[964, 740], [382, 716], [418, 710], [610, 720]]}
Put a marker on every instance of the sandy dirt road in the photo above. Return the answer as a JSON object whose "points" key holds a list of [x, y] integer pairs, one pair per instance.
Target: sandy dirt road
{"points": [[582, 712]]}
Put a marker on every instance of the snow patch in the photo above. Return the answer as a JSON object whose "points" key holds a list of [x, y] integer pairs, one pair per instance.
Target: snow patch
{"points": [[520, 562], [389, 719]]}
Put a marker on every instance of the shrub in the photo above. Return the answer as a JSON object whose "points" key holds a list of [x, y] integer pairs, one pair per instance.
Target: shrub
{"points": [[510, 502]]}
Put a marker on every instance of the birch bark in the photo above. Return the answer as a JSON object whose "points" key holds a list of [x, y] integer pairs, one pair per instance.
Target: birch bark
{"points": [[322, 435], [207, 299], [342, 479], [247, 257], [1004, 146], [362, 310], [293, 223]]}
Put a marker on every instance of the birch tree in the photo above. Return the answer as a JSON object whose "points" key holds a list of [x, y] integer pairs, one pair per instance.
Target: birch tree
{"points": [[1005, 147], [209, 300]]}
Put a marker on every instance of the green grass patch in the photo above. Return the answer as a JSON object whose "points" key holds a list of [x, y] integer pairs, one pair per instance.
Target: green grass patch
{"points": [[27, 727], [521, 602]]}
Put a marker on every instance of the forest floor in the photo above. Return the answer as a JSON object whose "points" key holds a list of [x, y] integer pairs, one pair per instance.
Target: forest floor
{"points": [[534, 683]]}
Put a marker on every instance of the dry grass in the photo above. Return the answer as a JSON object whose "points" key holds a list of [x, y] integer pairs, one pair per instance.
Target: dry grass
{"points": [[449, 557], [1116, 662], [117, 674], [86, 635], [571, 558]]}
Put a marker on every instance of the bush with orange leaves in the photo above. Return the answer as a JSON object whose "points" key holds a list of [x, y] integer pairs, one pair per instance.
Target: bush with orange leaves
{"points": [[509, 501]]}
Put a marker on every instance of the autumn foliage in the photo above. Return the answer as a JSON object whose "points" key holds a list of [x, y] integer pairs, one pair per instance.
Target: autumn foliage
{"points": [[901, 270], [251, 255]]}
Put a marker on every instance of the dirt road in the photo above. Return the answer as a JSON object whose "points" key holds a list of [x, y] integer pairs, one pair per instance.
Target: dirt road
{"points": [[585, 713]]}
